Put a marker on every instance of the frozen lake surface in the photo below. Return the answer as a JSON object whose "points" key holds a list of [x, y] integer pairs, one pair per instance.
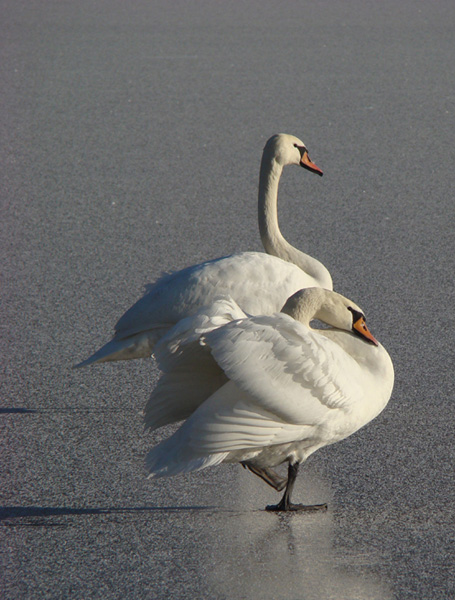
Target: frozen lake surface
{"points": [[131, 141]]}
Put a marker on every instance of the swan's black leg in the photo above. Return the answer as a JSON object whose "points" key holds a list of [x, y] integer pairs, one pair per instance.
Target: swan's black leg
{"points": [[267, 475], [285, 503]]}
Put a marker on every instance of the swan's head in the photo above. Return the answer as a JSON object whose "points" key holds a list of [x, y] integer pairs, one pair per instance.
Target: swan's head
{"points": [[287, 149], [330, 308]]}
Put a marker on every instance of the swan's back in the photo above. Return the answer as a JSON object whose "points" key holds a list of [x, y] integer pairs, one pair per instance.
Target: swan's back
{"points": [[259, 283]]}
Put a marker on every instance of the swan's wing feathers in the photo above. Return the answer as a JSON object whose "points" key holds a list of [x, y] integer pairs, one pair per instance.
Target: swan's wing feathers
{"points": [[249, 277], [226, 428], [182, 341], [191, 374], [225, 423], [181, 391], [285, 383], [294, 373]]}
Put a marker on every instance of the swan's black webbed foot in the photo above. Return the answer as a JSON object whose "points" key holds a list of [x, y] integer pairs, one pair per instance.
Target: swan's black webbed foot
{"points": [[290, 507], [268, 475], [285, 504]]}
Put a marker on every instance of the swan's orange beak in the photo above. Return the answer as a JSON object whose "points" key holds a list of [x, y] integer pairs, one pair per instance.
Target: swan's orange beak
{"points": [[360, 327], [306, 163]]}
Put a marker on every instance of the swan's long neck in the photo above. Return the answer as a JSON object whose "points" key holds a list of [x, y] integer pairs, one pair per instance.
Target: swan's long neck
{"points": [[271, 236]]}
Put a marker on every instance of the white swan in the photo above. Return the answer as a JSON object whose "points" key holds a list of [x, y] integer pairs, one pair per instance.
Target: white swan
{"points": [[258, 282], [274, 389]]}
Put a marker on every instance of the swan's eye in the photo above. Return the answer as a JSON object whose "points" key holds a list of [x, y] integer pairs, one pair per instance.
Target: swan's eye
{"points": [[301, 149], [356, 315]]}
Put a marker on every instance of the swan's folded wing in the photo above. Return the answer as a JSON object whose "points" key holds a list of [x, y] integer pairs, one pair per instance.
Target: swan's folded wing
{"points": [[191, 374], [259, 282], [181, 391], [287, 384], [227, 422], [293, 373], [231, 420], [183, 339]]}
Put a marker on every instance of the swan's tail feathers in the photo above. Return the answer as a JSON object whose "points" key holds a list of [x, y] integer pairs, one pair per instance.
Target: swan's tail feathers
{"points": [[173, 456], [135, 346]]}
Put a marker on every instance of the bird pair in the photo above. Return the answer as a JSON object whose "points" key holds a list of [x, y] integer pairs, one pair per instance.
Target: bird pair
{"points": [[252, 380]]}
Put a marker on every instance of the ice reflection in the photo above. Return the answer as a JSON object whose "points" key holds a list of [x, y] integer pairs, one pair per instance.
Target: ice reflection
{"points": [[262, 555]]}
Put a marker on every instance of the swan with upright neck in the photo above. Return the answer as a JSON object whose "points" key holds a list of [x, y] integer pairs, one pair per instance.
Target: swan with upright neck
{"points": [[259, 283], [271, 389]]}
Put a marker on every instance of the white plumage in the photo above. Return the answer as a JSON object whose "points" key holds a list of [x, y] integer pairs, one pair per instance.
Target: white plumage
{"points": [[273, 389], [259, 283]]}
